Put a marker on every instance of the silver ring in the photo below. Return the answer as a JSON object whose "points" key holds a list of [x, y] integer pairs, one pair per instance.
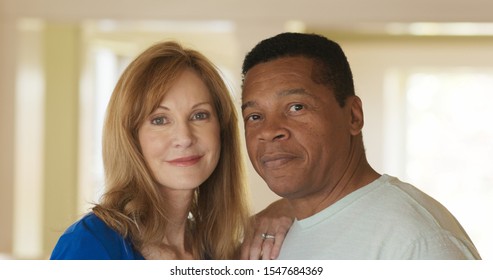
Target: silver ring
{"points": [[267, 236]]}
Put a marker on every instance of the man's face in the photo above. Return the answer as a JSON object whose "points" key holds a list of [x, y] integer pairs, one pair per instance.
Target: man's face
{"points": [[298, 137]]}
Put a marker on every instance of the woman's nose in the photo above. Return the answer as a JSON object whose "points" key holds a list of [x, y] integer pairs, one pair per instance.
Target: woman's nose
{"points": [[183, 135]]}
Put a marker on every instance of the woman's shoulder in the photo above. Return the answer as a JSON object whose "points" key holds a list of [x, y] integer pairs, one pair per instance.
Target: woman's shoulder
{"points": [[87, 223], [91, 238]]}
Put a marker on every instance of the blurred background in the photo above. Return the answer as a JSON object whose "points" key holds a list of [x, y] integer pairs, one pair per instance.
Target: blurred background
{"points": [[424, 70]]}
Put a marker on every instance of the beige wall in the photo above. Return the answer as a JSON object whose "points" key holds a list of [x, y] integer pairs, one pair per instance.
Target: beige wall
{"points": [[7, 89], [62, 45], [39, 99]]}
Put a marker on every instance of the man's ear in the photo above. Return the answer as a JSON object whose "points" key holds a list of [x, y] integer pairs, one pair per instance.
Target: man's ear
{"points": [[355, 108]]}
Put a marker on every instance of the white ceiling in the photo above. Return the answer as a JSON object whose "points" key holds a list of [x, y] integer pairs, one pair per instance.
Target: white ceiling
{"points": [[315, 13]]}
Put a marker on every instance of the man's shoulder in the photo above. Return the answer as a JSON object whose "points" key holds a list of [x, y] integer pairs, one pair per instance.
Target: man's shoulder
{"points": [[417, 215], [396, 197], [393, 189]]}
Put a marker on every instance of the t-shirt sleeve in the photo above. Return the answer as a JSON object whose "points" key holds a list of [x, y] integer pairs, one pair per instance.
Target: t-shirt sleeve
{"points": [[442, 246]]}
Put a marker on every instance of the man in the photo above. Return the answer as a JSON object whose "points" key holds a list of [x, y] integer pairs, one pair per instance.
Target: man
{"points": [[303, 126]]}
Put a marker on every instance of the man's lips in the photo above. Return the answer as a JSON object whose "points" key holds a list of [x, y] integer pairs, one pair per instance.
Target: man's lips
{"points": [[185, 161], [276, 160]]}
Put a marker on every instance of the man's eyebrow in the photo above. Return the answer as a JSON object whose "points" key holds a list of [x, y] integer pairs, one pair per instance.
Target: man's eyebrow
{"points": [[288, 92], [295, 91], [248, 104]]}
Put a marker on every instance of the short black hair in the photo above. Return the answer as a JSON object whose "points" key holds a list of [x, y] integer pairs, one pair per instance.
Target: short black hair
{"points": [[333, 68]]}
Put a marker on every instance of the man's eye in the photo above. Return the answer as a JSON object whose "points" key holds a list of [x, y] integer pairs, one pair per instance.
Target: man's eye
{"points": [[296, 107], [158, 121], [201, 116], [252, 117]]}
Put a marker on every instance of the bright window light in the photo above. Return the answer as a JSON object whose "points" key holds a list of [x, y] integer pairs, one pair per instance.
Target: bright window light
{"points": [[441, 29], [448, 144]]}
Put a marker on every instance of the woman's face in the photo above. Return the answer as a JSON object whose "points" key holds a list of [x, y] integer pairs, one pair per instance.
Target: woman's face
{"points": [[180, 140]]}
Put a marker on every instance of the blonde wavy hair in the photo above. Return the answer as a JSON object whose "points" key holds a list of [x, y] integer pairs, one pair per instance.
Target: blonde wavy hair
{"points": [[132, 204]]}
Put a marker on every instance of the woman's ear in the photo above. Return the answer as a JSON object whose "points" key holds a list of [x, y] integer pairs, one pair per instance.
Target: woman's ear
{"points": [[355, 108]]}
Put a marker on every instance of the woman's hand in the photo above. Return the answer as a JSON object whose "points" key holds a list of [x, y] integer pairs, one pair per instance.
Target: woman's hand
{"points": [[267, 232]]}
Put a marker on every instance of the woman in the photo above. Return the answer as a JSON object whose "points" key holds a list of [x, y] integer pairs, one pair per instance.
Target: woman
{"points": [[173, 166]]}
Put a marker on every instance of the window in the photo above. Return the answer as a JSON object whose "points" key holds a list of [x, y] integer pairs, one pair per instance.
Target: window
{"points": [[440, 127], [449, 143], [104, 70]]}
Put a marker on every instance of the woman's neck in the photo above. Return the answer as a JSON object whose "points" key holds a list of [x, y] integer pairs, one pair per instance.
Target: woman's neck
{"points": [[174, 242]]}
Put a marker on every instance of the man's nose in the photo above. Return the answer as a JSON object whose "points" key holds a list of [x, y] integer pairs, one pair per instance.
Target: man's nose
{"points": [[274, 129]]}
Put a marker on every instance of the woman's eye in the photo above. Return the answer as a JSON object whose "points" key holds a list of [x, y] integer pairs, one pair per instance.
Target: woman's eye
{"points": [[201, 116], [296, 107], [158, 121]]}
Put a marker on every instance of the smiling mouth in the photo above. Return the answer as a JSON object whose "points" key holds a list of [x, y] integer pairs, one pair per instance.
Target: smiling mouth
{"points": [[185, 161], [275, 161]]}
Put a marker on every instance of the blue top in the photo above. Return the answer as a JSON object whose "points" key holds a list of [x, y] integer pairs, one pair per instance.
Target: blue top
{"points": [[91, 239]]}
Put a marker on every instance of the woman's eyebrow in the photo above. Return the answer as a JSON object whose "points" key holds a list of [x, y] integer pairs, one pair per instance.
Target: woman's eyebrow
{"points": [[194, 106]]}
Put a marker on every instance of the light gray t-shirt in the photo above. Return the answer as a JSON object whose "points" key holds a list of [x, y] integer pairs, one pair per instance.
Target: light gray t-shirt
{"points": [[387, 219]]}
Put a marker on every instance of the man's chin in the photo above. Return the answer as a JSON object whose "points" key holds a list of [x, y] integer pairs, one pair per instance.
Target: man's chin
{"points": [[282, 190]]}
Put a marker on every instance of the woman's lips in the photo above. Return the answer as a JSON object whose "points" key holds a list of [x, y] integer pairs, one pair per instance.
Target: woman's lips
{"points": [[185, 161]]}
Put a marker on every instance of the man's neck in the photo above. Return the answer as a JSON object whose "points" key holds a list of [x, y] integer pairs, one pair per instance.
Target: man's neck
{"points": [[357, 174]]}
